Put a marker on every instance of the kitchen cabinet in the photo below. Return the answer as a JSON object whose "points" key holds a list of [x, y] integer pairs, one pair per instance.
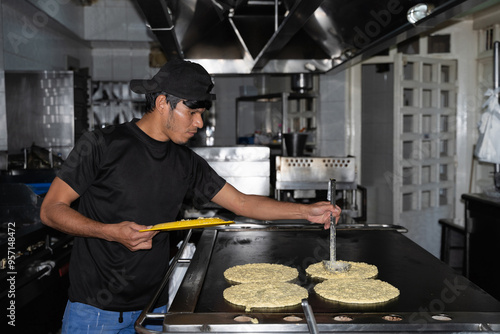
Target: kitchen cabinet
{"points": [[453, 244], [284, 112], [482, 232]]}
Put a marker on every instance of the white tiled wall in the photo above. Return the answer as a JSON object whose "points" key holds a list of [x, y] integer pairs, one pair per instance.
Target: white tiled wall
{"points": [[332, 115], [377, 149], [35, 41], [114, 20], [108, 37], [65, 12], [3, 112], [121, 64], [120, 41], [227, 90]]}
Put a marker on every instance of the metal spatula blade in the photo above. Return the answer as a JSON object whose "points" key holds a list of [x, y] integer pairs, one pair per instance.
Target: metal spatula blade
{"points": [[333, 265]]}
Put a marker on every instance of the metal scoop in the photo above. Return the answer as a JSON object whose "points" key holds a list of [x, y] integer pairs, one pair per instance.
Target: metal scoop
{"points": [[333, 265]]}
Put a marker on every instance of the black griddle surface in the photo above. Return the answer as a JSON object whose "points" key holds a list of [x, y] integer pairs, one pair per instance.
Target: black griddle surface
{"points": [[426, 284]]}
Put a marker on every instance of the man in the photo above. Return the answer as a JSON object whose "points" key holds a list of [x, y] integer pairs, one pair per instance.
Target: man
{"points": [[134, 175]]}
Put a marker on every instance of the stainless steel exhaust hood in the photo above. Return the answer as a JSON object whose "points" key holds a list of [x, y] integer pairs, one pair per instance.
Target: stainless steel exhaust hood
{"points": [[289, 36]]}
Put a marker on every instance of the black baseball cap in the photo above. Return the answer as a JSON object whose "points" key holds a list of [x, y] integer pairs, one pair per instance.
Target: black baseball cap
{"points": [[181, 78]]}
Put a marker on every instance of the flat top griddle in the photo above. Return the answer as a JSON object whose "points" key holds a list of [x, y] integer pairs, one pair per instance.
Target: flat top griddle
{"points": [[423, 280], [433, 297]]}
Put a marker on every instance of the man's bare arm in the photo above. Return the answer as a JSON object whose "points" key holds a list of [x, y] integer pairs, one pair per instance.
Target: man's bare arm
{"points": [[265, 208], [57, 213]]}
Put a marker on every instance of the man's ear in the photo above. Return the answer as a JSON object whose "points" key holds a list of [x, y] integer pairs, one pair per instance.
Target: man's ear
{"points": [[161, 103]]}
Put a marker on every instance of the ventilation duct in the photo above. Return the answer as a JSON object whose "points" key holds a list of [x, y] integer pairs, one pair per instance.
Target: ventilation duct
{"points": [[288, 36]]}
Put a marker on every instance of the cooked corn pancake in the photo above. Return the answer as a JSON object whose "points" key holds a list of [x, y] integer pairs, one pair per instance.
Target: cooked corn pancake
{"points": [[260, 272], [356, 290], [357, 270], [265, 295]]}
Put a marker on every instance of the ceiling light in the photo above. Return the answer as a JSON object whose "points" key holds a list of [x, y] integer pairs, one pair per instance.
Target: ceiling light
{"points": [[419, 12]]}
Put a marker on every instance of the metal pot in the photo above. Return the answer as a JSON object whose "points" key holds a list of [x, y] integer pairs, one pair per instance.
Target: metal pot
{"points": [[302, 82]]}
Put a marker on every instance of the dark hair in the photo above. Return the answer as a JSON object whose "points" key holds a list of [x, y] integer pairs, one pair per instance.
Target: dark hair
{"points": [[192, 104]]}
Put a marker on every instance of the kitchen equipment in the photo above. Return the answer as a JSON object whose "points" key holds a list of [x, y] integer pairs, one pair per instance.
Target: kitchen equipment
{"points": [[276, 113], [311, 172], [311, 321], [481, 238], [302, 82], [34, 263], [306, 174], [433, 297], [247, 168], [53, 115], [295, 143], [333, 265], [188, 224]]}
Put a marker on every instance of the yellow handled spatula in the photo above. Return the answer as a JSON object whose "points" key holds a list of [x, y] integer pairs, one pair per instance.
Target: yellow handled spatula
{"points": [[188, 223]]}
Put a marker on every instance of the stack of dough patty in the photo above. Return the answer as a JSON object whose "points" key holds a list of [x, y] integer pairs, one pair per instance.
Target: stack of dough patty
{"points": [[263, 285]]}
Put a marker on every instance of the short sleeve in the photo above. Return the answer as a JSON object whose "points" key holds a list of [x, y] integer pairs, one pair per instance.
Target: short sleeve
{"points": [[206, 182], [81, 166]]}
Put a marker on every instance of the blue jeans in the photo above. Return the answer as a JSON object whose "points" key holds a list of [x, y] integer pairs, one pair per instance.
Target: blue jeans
{"points": [[82, 318]]}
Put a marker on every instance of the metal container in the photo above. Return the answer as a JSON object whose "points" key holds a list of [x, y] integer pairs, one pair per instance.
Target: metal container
{"points": [[295, 143], [247, 168], [314, 172], [302, 82]]}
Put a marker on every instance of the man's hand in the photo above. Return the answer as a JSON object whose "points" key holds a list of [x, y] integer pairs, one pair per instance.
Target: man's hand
{"points": [[127, 233], [320, 213]]}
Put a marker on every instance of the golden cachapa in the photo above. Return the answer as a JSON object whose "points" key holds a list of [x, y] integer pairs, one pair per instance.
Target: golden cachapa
{"points": [[260, 272], [357, 290], [265, 295], [357, 270]]}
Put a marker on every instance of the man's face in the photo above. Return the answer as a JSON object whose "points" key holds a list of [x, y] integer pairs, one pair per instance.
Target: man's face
{"points": [[182, 123]]}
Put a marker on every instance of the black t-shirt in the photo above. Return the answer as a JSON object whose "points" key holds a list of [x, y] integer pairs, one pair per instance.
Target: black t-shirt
{"points": [[122, 174]]}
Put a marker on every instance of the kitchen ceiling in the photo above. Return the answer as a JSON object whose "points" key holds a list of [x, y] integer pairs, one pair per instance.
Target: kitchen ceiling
{"points": [[288, 36]]}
